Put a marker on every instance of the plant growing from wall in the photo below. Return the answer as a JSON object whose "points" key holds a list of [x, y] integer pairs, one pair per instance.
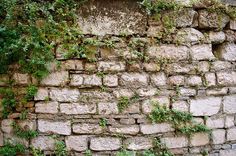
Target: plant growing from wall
{"points": [[10, 149], [22, 133]]}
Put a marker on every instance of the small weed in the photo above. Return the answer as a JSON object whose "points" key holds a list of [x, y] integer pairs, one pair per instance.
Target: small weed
{"points": [[123, 103], [31, 92], [10, 149], [124, 152], [36, 152], [21, 133], [88, 153], [60, 149], [103, 122], [23, 114]]}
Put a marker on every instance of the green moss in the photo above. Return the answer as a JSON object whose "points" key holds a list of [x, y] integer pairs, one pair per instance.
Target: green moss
{"points": [[12, 149], [21, 133]]}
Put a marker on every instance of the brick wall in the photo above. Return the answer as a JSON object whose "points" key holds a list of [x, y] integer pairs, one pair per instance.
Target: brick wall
{"points": [[199, 58]]}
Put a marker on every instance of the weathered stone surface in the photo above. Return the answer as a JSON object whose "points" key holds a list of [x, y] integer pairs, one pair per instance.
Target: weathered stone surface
{"points": [[146, 92], [64, 95], [194, 81], [72, 65], [231, 134], [232, 24], [92, 80], [47, 107], [229, 104], [86, 128], [107, 108], [6, 125], [43, 143], [156, 128], [228, 152], [203, 66], [215, 123], [56, 79], [138, 143], [210, 79], [170, 52], [178, 68], [42, 94], [50, 127], [22, 79], [101, 18], [218, 136], [212, 19], [230, 35], [199, 139], [131, 129], [187, 92], [175, 142], [176, 80], [226, 52], [159, 79], [188, 35], [110, 80], [76, 80], [220, 65], [134, 79], [152, 67], [185, 17], [105, 144], [205, 106], [134, 108], [226, 78], [1, 139], [202, 52], [127, 121], [217, 37], [77, 108], [180, 106], [111, 66], [77, 143], [229, 121]]}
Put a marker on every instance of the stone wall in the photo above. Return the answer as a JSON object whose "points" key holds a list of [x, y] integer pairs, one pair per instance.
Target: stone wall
{"points": [[197, 62]]}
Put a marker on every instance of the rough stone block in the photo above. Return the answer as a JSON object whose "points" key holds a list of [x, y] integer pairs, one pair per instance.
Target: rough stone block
{"points": [[92, 80], [217, 37], [218, 136], [215, 122], [76, 80], [105, 144], [210, 79], [199, 139], [147, 105], [187, 92], [6, 125], [72, 65], [86, 128], [77, 143], [59, 78], [46, 107], [146, 92], [43, 143], [229, 121], [229, 104], [175, 142], [220, 65], [134, 80], [107, 108], [176, 80], [159, 79], [64, 95], [186, 16], [170, 52], [156, 128], [110, 80], [202, 52], [231, 134], [194, 81], [138, 143], [226, 52], [188, 35], [232, 24], [99, 17], [205, 106], [226, 78], [228, 152], [111, 66], [50, 127], [180, 106], [42, 94], [76, 108], [131, 129], [22, 79]]}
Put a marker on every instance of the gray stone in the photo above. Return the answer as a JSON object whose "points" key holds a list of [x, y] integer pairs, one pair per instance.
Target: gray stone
{"points": [[194, 81], [187, 91], [53, 127], [86, 128], [226, 78], [202, 52], [229, 104], [134, 80], [76, 80], [232, 24], [110, 80], [72, 65], [111, 66], [64, 95], [147, 105], [218, 136], [228, 152], [180, 106], [6, 125], [105, 144], [59, 78], [221, 65], [159, 79], [188, 35], [138, 143], [227, 52], [210, 79], [22, 79], [229, 121], [101, 17], [231, 134], [205, 106], [77, 108], [43, 143], [107, 108], [217, 37], [47, 107], [175, 142], [77, 143], [212, 19], [176, 80], [199, 139], [130, 129], [215, 123], [169, 52], [185, 17], [92, 80], [156, 128], [42, 94]]}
